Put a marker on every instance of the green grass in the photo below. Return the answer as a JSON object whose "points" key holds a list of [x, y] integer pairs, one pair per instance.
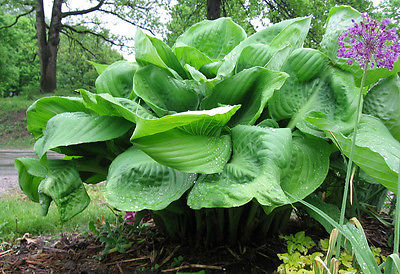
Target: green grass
{"points": [[12, 126], [14, 104], [13, 133], [19, 216]]}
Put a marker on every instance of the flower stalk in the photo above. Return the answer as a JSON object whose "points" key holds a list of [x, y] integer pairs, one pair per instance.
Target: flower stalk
{"points": [[370, 44], [351, 156], [397, 219]]}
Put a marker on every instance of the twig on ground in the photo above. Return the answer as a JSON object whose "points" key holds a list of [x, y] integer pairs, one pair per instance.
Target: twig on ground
{"points": [[6, 253], [119, 268], [34, 262], [170, 255], [193, 266], [130, 260]]}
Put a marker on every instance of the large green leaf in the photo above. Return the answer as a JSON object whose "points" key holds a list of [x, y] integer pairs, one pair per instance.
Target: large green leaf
{"points": [[376, 151], [251, 88], [383, 101], [136, 182], [190, 142], [254, 55], [314, 86], [150, 50], [266, 164], [73, 128], [186, 152], [215, 38], [162, 92], [43, 109], [289, 32], [339, 20], [105, 104], [30, 173], [309, 165], [260, 155], [191, 56], [201, 122], [99, 67], [63, 186], [117, 79], [263, 56]]}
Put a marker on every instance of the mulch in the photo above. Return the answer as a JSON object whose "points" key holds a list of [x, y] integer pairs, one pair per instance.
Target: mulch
{"points": [[152, 253], [76, 253]]}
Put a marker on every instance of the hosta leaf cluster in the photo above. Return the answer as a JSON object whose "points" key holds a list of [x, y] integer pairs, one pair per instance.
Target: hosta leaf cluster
{"points": [[219, 120]]}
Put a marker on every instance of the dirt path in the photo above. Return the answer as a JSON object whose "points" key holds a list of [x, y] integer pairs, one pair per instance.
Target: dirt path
{"points": [[8, 173]]}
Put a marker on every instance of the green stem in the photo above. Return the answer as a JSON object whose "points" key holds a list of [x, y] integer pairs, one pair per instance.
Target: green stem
{"points": [[250, 223], [350, 162], [209, 226], [234, 216], [397, 219], [220, 212], [199, 226]]}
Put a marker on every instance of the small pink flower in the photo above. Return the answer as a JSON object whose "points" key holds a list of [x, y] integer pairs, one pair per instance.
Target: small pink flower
{"points": [[130, 217]]}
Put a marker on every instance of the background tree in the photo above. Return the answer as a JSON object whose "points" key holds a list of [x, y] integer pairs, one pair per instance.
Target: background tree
{"points": [[20, 68], [185, 13], [137, 13], [254, 13], [213, 9], [391, 9], [278, 10], [74, 71]]}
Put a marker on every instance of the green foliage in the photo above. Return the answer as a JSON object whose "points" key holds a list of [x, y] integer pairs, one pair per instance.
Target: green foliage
{"points": [[114, 236], [186, 13], [299, 259], [299, 242], [18, 63], [190, 138], [250, 14], [73, 69]]}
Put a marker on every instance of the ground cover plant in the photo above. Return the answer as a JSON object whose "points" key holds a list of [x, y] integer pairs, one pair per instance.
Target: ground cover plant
{"points": [[217, 136]]}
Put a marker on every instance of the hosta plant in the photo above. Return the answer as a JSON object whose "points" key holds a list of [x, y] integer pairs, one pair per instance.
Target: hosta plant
{"points": [[214, 136]]}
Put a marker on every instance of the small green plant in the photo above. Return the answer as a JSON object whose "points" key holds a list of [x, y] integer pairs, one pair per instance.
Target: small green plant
{"points": [[299, 242], [177, 261], [298, 259], [114, 236]]}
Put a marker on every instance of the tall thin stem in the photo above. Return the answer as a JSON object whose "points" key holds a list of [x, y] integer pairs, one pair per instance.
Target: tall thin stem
{"points": [[350, 162], [397, 219]]}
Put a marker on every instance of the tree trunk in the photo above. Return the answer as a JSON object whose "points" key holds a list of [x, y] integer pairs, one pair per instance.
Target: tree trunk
{"points": [[48, 45], [213, 9]]}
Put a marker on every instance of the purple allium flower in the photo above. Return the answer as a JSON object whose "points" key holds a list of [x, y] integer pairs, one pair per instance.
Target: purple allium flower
{"points": [[370, 42]]}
